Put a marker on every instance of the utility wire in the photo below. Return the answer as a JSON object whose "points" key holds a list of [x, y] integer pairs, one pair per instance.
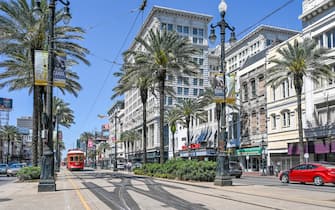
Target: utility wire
{"points": [[265, 17], [113, 62]]}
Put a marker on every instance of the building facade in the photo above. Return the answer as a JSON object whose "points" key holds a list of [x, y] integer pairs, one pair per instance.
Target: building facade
{"points": [[318, 20], [194, 26]]}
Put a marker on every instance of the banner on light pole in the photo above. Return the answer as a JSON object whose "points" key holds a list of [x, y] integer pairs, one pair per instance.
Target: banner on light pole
{"points": [[41, 69], [218, 86]]}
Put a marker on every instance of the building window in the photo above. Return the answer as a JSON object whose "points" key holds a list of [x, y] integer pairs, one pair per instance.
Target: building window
{"points": [[273, 93], [254, 123], [180, 90], [195, 81], [186, 80], [198, 35], [286, 121], [180, 80], [186, 91], [163, 26], [179, 29], [273, 121], [195, 92], [201, 91], [169, 100], [169, 27], [186, 30], [201, 82], [253, 88], [245, 92]]}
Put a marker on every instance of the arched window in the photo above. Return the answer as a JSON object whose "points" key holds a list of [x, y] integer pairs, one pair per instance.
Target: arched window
{"points": [[286, 118]]}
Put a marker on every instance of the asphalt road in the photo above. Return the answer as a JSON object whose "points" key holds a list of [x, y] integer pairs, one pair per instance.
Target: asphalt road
{"points": [[125, 191], [4, 179]]}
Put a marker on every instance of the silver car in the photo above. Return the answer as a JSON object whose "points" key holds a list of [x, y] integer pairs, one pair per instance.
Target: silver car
{"points": [[3, 168], [13, 169]]}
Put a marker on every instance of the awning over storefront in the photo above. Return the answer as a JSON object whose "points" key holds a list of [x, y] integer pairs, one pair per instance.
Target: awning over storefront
{"points": [[249, 151], [202, 136], [293, 148], [321, 147]]}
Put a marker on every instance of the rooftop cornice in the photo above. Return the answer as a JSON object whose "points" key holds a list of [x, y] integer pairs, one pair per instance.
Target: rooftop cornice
{"points": [[315, 9], [258, 31], [173, 12]]}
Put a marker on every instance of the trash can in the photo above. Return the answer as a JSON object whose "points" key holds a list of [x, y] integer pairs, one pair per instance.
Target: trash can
{"points": [[271, 173]]}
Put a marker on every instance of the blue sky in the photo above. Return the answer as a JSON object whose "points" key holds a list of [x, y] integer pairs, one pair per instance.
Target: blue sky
{"points": [[111, 28]]}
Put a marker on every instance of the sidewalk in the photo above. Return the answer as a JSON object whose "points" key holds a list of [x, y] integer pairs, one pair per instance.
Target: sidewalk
{"points": [[25, 195]]}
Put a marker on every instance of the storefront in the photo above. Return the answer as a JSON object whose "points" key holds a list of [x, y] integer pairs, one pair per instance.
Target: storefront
{"points": [[250, 158]]}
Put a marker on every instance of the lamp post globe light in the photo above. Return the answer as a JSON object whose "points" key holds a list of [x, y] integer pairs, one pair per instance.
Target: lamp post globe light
{"points": [[47, 180], [222, 176]]}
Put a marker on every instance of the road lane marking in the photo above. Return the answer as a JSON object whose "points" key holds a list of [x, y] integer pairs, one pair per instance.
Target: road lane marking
{"points": [[81, 197]]}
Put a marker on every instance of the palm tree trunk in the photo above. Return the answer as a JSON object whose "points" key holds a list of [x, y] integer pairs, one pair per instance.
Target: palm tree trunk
{"points": [[36, 112], [188, 138], [298, 90], [1, 150], [144, 128], [301, 140], [86, 144], [8, 142], [173, 145], [161, 118]]}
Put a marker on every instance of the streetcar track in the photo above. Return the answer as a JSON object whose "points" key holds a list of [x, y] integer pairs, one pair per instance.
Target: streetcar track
{"points": [[269, 197], [156, 192]]}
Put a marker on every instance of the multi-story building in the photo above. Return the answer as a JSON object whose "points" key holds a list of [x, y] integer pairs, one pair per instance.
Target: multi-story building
{"points": [[318, 21], [192, 25], [25, 126], [247, 122], [282, 116]]}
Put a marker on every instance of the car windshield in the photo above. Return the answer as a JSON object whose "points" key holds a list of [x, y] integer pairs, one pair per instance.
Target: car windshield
{"points": [[3, 165]]}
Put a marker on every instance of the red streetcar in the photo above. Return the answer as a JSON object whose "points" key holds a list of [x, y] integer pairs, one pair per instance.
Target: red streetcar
{"points": [[75, 159]]}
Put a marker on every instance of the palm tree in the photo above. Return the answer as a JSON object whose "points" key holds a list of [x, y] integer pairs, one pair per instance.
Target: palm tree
{"points": [[171, 117], [63, 112], [85, 137], [188, 109], [136, 76], [129, 136], [10, 132], [22, 34], [165, 53], [299, 60]]}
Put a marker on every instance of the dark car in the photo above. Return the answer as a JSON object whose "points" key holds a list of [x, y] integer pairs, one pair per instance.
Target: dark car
{"points": [[235, 169], [3, 168], [317, 173]]}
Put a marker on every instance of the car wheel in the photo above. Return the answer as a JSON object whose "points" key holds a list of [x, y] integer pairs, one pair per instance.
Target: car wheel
{"points": [[318, 181], [285, 179]]}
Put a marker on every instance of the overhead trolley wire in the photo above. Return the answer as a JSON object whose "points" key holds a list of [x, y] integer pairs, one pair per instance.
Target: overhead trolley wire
{"points": [[113, 62], [266, 17]]}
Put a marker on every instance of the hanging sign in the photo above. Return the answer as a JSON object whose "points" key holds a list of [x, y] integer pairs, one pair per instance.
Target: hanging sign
{"points": [[41, 69]]}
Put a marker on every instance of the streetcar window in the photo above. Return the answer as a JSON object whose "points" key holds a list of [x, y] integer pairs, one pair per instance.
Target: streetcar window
{"points": [[76, 158], [71, 158]]}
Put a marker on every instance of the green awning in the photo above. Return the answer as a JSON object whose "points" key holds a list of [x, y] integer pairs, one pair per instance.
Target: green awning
{"points": [[249, 151]]}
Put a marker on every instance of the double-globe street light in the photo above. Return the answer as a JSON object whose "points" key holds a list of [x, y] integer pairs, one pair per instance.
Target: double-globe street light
{"points": [[47, 180], [222, 177]]}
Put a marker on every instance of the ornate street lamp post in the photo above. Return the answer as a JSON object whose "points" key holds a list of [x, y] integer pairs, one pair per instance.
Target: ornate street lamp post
{"points": [[57, 141], [47, 180], [222, 177]]}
